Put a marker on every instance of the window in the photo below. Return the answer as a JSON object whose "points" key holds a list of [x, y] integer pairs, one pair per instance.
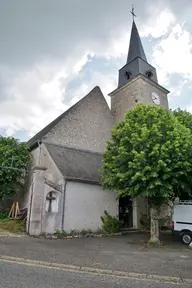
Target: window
{"points": [[51, 205]]}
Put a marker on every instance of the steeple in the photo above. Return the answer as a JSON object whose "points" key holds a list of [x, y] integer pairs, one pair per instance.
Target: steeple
{"points": [[135, 45], [136, 60], [137, 80]]}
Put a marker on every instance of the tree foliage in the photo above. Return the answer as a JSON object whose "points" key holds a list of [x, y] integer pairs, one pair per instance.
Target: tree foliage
{"points": [[184, 188], [16, 155], [148, 155], [184, 117]]}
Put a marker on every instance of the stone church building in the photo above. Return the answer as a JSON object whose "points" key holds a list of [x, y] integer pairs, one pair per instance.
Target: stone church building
{"points": [[64, 190]]}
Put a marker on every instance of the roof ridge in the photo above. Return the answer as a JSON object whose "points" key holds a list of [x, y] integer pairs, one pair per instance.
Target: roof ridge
{"points": [[73, 148]]}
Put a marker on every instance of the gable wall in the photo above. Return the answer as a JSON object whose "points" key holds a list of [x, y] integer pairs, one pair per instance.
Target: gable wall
{"points": [[86, 126]]}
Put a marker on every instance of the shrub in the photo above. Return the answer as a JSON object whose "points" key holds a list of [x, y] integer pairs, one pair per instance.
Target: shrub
{"points": [[84, 232], [4, 215], [110, 223], [61, 234]]}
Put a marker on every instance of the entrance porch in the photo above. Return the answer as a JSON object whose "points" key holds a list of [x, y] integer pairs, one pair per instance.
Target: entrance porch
{"points": [[130, 211]]}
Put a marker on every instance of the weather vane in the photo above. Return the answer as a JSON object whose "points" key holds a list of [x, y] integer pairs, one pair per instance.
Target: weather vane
{"points": [[133, 13]]}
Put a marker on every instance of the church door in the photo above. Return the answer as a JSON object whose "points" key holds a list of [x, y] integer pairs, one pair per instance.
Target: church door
{"points": [[126, 211]]}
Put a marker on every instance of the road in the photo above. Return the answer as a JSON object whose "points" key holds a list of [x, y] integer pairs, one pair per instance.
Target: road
{"points": [[118, 253], [15, 275]]}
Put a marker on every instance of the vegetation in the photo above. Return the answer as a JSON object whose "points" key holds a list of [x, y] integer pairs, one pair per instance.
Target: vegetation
{"points": [[185, 187], [110, 223], [14, 156], [73, 233], [149, 155], [4, 215], [61, 234], [184, 117], [12, 226]]}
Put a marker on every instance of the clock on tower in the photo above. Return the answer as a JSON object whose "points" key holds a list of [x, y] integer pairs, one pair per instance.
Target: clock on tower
{"points": [[155, 98]]}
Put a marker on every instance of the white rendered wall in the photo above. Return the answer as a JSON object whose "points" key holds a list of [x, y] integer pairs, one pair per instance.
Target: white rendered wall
{"points": [[84, 204]]}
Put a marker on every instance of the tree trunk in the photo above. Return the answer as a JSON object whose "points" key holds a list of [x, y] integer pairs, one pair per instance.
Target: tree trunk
{"points": [[154, 225]]}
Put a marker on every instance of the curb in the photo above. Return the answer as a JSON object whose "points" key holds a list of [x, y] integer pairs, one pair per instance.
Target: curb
{"points": [[131, 275]]}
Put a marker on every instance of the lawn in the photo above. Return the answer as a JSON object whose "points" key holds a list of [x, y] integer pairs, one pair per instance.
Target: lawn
{"points": [[11, 226]]}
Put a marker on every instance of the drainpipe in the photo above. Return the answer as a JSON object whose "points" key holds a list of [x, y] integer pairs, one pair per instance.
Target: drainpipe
{"points": [[63, 212]]}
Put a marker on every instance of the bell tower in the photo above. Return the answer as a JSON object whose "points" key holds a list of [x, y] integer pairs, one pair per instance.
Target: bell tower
{"points": [[137, 81]]}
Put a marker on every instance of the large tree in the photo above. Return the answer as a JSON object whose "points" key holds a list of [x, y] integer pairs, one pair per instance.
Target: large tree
{"points": [[184, 117], [147, 155], [184, 190], [14, 156]]}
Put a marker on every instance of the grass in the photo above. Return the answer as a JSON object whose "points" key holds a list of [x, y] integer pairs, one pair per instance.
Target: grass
{"points": [[11, 226]]}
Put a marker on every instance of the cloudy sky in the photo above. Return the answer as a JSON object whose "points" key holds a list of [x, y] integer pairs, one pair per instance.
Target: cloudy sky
{"points": [[53, 52]]}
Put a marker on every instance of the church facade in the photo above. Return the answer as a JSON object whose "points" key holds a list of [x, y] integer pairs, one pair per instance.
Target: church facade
{"points": [[63, 186]]}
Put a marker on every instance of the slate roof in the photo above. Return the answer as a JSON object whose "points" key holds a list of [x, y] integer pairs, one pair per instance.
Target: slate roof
{"points": [[76, 164], [135, 46], [50, 126]]}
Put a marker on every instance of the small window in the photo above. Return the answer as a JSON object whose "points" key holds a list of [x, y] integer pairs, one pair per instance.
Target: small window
{"points": [[51, 205]]}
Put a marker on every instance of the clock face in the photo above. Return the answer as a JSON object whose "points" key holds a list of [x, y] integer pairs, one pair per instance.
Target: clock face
{"points": [[155, 98]]}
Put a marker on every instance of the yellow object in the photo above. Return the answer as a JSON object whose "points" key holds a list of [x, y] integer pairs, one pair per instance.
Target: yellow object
{"points": [[14, 211]]}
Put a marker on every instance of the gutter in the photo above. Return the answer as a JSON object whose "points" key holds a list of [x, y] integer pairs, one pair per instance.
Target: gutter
{"points": [[75, 179]]}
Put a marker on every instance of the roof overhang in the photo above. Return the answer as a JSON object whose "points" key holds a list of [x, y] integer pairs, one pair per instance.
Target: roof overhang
{"points": [[136, 78]]}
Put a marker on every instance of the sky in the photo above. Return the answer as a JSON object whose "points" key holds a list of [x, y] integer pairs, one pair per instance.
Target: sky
{"points": [[53, 52]]}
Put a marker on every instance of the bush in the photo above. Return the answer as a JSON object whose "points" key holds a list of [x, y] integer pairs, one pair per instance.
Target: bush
{"points": [[61, 234], [4, 215], [110, 223]]}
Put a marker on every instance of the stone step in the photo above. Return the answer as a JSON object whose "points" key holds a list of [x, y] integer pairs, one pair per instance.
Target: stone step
{"points": [[125, 231]]}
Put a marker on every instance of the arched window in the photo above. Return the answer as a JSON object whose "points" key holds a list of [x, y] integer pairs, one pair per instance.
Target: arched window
{"points": [[51, 204]]}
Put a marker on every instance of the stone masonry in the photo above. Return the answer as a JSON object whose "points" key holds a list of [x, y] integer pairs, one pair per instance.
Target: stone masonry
{"points": [[138, 90], [87, 126]]}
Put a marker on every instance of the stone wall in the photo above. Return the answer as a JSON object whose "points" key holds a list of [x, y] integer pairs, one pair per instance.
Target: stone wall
{"points": [[45, 178], [35, 161], [138, 90], [87, 126]]}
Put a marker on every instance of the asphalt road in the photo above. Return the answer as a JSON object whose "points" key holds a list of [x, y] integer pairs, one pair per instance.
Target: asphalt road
{"points": [[13, 275], [118, 253]]}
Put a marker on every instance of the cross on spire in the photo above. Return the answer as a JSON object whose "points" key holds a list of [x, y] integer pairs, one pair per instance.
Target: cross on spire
{"points": [[135, 45], [133, 12]]}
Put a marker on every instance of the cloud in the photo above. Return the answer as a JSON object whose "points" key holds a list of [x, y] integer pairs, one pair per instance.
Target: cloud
{"points": [[173, 54], [45, 46], [36, 98], [160, 24], [107, 84]]}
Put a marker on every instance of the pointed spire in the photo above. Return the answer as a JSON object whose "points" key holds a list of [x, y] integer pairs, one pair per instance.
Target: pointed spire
{"points": [[135, 46]]}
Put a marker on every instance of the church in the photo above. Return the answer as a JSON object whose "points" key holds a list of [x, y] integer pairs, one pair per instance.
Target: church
{"points": [[63, 187]]}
